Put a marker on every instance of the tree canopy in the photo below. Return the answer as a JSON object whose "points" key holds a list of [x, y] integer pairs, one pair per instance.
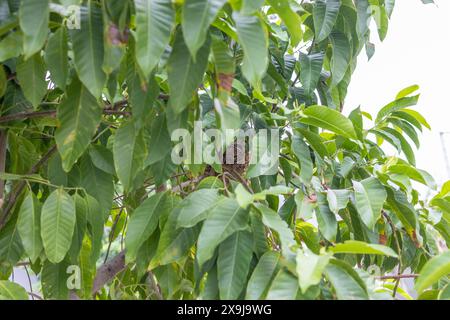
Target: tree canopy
{"points": [[93, 203]]}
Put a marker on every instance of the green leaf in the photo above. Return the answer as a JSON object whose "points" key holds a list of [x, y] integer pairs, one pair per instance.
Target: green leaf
{"points": [[272, 220], [338, 199], [284, 287], [233, 263], [346, 282], [197, 206], [329, 119], [129, 153], [54, 280], [407, 91], [315, 141], [154, 23], [11, 248], [432, 271], [11, 46], [34, 18], [341, 58], [143, 222], [326, 219], [310, 268], [301, 151], [253, 39], [96, 224], [185, 73], [29, 226], [399, 204], [325, 15], [12, 291], [370, 197], [78, 115], [56, 57], [160, 142], [310, 69], [57, 225], [98, 184], [262, 275], [31, 75], [197, 17], [290, 18], [359, 247], [227, 218], [397, 105], [174, 243], [88, 49]]}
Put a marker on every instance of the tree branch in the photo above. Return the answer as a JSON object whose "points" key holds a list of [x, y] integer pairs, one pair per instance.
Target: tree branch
{"points": [[108, 271], [109, 110], [398, 276]]}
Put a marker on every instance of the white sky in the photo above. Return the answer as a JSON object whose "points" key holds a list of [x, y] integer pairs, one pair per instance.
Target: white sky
{"points": [[416, 51]]}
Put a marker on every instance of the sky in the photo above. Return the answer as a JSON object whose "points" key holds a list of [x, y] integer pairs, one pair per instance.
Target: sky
{"points": [[415, 51]]}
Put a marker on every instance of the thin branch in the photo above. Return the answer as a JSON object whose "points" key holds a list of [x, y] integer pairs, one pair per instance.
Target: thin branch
{"points": [[397, 277]]}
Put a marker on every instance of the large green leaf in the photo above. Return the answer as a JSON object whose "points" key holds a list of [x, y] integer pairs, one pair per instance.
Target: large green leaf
{"points": [[359, 247], [12, 291], [325, 15], [399, 204], [34, 17], [57, 225], [326, 219], [98, 184], [129, 153], [253, 39], [272, 220], [432, 271], [197, 17], [88, 49], [262, 275], [54, 280], [290, 18], [329, 119], [310, 69], [11, 248], [310, 268], [284, 287], [154, 23], [78, 115], [302, 153], [227, 218], [143, 222], [29, 226], [342, 53], [185, 73], [196, 207], [233, 264], [346, 282], [370, 197], [174, 243], [31, 75], [56, 57]]}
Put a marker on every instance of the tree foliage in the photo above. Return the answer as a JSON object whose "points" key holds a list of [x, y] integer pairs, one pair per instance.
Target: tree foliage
{"points": [[90, 98]]}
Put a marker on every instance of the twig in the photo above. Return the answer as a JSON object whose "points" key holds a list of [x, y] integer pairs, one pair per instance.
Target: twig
{"points": [[398, 276]]}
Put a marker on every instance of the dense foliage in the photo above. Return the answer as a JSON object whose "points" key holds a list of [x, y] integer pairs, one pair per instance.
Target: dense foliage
{"points": [[95, 207]]}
